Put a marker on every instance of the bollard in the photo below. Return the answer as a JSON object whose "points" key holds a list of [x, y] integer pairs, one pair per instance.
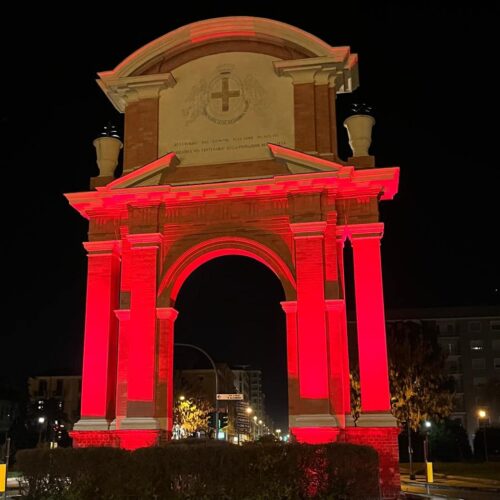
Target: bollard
{"points": [[429, 475]]}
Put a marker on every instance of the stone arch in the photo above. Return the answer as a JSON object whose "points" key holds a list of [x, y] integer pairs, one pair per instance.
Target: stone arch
{"points": [[258, 34], [202, 252]]}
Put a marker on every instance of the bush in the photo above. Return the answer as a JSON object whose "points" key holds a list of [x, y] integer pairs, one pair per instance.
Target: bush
{"points": [[208, 470]]}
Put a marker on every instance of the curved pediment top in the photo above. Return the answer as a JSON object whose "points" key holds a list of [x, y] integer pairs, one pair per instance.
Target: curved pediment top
{"points": [[263, 35]]}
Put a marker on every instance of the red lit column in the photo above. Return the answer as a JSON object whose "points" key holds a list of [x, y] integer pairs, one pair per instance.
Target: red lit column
{"points": [[123, 316], [290, 309], [344, 340], [373, 368], [335, 315], [311, 324], [141, 338], [100, 344], [165, 381]]}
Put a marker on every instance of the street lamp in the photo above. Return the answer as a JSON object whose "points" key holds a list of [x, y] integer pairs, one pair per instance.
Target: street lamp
{"points": [[427, 428], [278, 431], [482, 415], [41, 421], [216, 383], [254, 427], [410, 451], [429, 476]]}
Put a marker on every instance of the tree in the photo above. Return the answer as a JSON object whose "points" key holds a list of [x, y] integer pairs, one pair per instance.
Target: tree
{"points": [[355, 395], [449, 442], [419, 388], [192, 415]]}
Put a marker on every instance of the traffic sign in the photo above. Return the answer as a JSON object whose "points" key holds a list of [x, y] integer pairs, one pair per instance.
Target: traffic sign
{"points": [[230, 397]]}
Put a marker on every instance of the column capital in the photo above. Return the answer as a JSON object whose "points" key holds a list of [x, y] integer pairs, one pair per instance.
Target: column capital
{"points": [[321, 70], [308, 229], [334, 304], [124, 91], [289, 306], [103, 247], [144, 239], [166, 313], [364, 231], [122, 314]]}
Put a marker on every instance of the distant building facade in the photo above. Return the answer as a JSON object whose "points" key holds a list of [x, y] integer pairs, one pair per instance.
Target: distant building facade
{"points": [[8, 412], [470, 338], [256, 394], [64, 391]]}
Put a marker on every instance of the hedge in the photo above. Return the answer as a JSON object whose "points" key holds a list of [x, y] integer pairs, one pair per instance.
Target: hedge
{"points": [[208, 470]]}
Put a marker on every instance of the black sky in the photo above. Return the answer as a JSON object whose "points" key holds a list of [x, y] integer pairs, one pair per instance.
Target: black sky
{"points": [[428, 72]]}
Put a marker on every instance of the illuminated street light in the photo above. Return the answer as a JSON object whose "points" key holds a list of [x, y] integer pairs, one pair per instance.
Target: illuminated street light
{"points": [[182, 398], [481, 414], [255, 427], [249, 410], [41, 421], [427, 424]]}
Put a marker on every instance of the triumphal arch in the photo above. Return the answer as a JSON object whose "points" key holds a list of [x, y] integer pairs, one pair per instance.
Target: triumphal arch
{"points": [[230, 148]]}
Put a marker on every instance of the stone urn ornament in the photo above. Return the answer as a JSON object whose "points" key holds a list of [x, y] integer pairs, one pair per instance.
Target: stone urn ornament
{"points": [[107, 148], [359, 129]]}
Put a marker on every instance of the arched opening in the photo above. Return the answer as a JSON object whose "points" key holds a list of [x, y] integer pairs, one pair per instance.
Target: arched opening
{"points": [[230, 307]]}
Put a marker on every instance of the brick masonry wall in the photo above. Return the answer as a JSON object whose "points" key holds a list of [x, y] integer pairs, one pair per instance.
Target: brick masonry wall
{"points": [[385, 442]]}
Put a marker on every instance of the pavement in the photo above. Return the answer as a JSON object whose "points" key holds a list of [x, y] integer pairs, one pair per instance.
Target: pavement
{"points": [[457, 487]]}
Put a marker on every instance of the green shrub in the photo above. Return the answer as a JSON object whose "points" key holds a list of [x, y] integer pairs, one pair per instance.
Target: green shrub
{"points": [[207, 470]]}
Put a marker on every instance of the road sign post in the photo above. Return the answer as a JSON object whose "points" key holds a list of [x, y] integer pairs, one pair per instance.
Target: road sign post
{"points": [[230, 397]]}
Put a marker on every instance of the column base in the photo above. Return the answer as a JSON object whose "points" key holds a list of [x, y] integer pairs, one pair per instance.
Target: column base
{"points": [[314, 420], [376, 419], [385, 442], [140, 423], [92, 424]]}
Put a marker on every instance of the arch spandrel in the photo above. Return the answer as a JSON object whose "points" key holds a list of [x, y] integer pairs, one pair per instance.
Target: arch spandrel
{"points": [[189, 255]]}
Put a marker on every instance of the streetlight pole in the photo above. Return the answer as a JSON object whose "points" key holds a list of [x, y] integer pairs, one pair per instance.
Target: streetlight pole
{"points": [[482, 416], [410, 451], [41, 421], [216, 383]]}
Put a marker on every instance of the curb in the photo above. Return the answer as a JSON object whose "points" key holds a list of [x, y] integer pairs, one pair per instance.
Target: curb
{"points": [[453, 487], [490, 482], [487, 482]]}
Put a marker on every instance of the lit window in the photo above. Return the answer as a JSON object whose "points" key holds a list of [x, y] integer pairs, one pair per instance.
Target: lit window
{"points": [[476, 345]]}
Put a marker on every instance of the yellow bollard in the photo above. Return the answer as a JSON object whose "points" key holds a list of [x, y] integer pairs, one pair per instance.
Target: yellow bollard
{"points": [[3, 477], [428, 472]]}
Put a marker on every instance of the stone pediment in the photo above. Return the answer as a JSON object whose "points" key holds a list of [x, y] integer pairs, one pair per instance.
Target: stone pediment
{"points": [[168, 170], [219, 91]]}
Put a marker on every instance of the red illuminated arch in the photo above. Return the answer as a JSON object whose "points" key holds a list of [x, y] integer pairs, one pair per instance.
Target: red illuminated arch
{"points": [[205, 251]]}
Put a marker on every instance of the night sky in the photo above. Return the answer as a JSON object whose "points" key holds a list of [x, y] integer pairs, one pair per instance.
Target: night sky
{"points": [[428, 73]]}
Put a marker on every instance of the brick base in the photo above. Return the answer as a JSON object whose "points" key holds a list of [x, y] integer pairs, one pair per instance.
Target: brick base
{"points": [[315, 435], [385, 442], [128, 440]]}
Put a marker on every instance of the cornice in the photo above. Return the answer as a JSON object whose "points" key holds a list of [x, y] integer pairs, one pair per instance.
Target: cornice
{"points": [[346, 182]]}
